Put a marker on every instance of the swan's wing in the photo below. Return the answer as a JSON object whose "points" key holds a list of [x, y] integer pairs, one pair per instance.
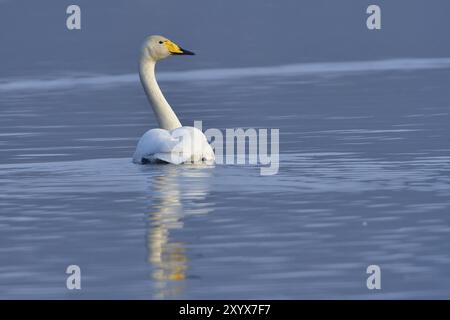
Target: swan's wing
{"points": [[154, 141], [192, 145], [182, 145]]}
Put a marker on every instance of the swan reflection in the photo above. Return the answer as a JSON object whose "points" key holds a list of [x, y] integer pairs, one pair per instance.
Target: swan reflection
{"points": [[176, 191]]}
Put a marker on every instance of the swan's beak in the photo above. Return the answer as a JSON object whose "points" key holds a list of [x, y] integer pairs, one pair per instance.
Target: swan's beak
{"points": [[186, 52], [176, 49]]}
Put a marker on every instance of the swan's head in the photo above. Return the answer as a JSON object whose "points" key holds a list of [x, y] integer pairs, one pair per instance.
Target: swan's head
{"points": [[159, 47]]}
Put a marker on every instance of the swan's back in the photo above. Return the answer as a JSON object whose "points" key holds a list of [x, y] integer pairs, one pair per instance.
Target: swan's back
{"points": [[181, 145]]}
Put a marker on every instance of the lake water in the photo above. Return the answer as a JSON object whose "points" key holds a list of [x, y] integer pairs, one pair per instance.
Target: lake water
{"points": [[364, 179]]}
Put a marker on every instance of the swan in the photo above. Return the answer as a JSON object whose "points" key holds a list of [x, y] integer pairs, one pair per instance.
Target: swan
{"points": [[171, 142]]}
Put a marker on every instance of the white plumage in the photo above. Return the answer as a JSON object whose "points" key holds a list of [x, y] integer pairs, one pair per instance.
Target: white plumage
{"points": [[181, 145], [172, 142]]}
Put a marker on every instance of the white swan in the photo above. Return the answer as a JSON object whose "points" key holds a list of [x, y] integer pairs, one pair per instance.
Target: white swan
{"points": [[172, 142]]}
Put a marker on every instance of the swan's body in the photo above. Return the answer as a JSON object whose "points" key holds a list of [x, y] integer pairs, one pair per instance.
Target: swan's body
{"points": [[181, 145], [171, 143]]}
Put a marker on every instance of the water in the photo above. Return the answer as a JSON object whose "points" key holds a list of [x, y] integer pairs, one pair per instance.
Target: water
{"points": [[364, 179], [364, 175]]}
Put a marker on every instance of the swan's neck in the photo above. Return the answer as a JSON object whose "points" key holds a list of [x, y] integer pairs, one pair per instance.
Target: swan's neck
{"points": [[163, 112]]}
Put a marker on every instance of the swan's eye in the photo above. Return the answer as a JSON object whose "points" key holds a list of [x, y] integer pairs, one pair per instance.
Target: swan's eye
{"points": [[161, 42]]}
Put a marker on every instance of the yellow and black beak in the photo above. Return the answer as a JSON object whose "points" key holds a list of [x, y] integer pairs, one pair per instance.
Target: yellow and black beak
{"points": [[176, 49]]}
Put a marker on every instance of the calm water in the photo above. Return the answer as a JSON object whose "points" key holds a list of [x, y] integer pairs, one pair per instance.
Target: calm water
{"points": [[364, 179]]}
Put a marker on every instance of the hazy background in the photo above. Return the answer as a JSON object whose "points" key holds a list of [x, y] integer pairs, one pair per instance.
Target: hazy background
{"points": [[227, 33]]}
